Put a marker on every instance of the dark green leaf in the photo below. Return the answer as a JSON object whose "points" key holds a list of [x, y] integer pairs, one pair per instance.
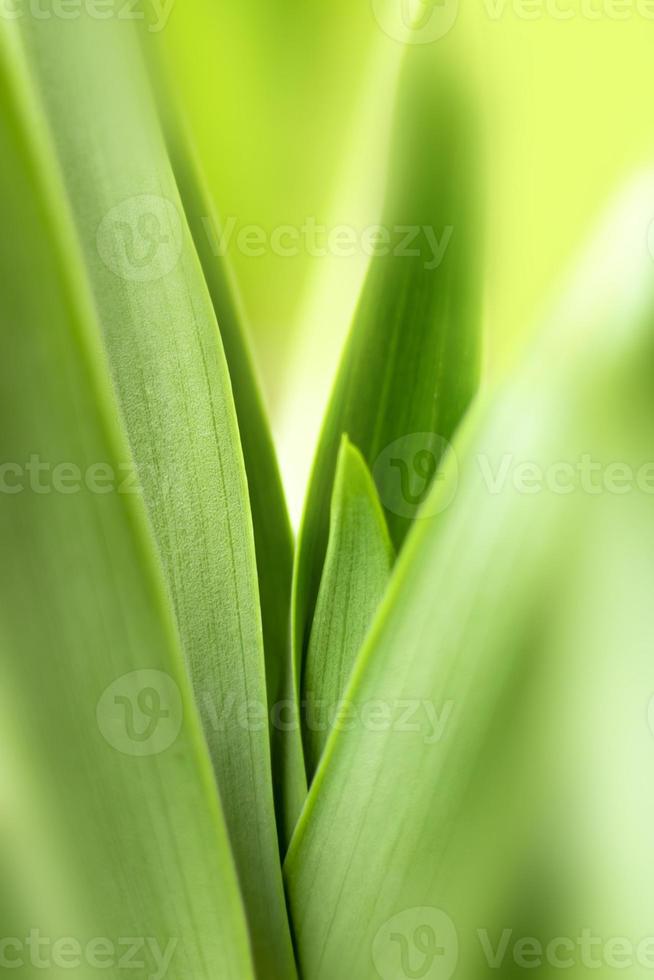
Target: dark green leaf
{"points": [[411, 363]]}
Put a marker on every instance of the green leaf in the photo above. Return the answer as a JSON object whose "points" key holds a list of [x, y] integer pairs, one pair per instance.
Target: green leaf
{"points": [[357, 570], [411, 363], [107, 831], [174, 390], [272, 531], [510, 619]]}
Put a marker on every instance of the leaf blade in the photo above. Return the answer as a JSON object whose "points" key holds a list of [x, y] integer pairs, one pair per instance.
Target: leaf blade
{"points": [[85, 800], [411, 363], [273, 537], [484, 610], [173, 386], [357, 571]]}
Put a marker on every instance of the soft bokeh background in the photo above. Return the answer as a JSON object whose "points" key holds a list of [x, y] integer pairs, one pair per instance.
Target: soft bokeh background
{"points": [[289, 105]]}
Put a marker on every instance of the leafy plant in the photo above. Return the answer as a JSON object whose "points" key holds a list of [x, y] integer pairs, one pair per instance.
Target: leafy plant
{"points": [[327, 770]]}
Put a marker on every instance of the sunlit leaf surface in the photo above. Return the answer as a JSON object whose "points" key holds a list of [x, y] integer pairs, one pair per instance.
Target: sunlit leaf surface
{"points": [[357, 570]]}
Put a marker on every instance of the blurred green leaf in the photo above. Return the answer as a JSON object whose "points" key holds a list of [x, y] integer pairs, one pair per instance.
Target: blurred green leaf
{"points": [[171, 377], [273, 97], [357, 570], [272, 531], [107, 831], [411, 364], [509, 621]]}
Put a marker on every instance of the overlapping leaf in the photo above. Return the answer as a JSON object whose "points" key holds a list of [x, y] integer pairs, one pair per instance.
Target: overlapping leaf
{"points": [[272, 532], [357, 570], [111, 825], [411, 363], [509, 620], [174, 390]]}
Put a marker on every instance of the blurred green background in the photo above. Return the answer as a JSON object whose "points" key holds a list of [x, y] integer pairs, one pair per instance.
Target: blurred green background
{"points": [[288, 104]]}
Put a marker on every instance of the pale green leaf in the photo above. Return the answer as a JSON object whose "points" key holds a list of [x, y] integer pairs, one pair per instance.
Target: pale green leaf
{"points": [[107, 830], [516, 623], [357, 570], [171, 378]]}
